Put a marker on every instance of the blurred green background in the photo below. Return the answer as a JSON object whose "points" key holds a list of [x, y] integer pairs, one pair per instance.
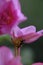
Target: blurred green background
{"points": [[30, 53], [33, 9]]}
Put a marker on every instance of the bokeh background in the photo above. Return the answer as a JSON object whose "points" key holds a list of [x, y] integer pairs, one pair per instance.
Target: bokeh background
{"points": [[33, 52]]}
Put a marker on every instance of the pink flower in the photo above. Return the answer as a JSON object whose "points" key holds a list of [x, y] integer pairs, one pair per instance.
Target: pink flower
{"points": [[27, 34], [37, 63], [7, 57], [15, 61], [10, 15]]}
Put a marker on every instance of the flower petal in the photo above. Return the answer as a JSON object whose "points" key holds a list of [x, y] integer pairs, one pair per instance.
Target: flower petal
{"points": [[32, 37], [16, 61], [20, 15], [29, 29], [37, 63], [11, 15], [2, 4], [5, 55], [4, 30], [16, 32], [11, 62], [40, 32]]}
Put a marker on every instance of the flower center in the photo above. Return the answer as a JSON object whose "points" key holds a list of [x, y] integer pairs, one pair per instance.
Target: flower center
{"points": [[8, 16], [17, 42]]}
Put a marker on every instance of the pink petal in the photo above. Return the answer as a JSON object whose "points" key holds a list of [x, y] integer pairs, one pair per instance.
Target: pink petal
{"points": [[37, 63], [16, 61], [5, 55], [2, 4], [12, 62], [8, 16], [28, 30], [28, 34], [17, 6], [22, 32], [32, 36], [7, 58], [40, 32], [16, 32], [4, 30], [14, 18]]}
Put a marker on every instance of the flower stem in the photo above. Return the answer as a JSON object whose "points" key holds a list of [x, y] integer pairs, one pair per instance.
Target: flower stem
{"points": [[17, 51]]}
